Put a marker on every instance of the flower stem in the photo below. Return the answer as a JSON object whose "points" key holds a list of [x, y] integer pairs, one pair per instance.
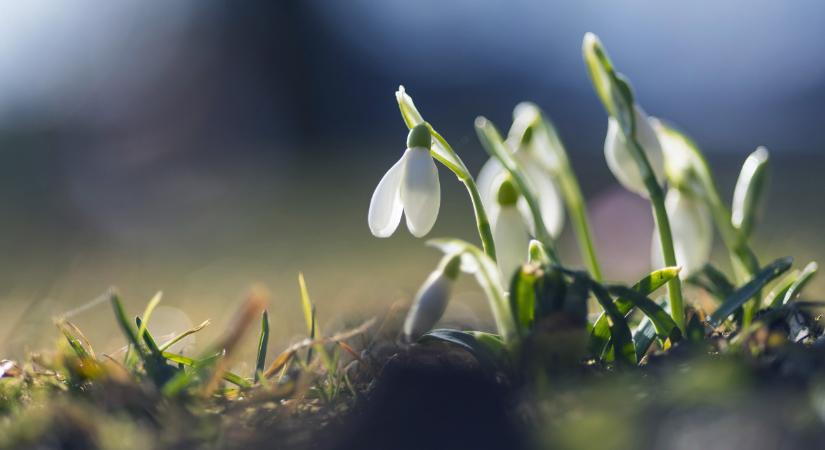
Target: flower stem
{"points": [[657, 200], [578, 216], [456, 165]]}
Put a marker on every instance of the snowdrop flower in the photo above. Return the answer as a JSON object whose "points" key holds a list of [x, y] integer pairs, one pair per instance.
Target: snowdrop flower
{"points": [[431, 300], [410, 186], [510, 233], [534, 163], [690, 223], [619, 156]]}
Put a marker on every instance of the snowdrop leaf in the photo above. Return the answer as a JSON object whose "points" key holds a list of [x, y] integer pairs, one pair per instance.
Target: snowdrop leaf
{"points": [[600, 334], [712, 280], [619, 331], [488, 349], [751, 288], [665, 326], [804, 277]]}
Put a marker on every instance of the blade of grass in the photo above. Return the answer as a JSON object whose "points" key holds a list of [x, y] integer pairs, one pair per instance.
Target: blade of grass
{"points": [[228, 376], [165, 346], [751, 288], [125, 326], [263, 342], [147, 313]]}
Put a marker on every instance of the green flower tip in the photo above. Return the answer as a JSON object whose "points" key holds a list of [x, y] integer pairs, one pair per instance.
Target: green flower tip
{"points": [[507, 193], [419, 137]]}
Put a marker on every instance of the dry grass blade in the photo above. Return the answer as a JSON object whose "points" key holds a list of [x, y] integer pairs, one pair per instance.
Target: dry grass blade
{"points": [[249, 313], [285, 356], [165, 346]]}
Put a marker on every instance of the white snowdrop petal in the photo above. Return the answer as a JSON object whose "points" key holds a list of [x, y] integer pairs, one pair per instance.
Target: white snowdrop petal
{"points": [[385, 207], [620, 158], [550, 200], [692, 229], [488, 182], [428, 306], [420, 191], [690, 222], [512, 242]]}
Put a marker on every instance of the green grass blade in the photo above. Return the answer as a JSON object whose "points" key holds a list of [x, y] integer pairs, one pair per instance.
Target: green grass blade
{"points": [[148, 339], [228, 376], [263, 342], [751, 288], [186, 333], [796, 288], [125, 325], [306, 303], [147, 313], [600, 334]]}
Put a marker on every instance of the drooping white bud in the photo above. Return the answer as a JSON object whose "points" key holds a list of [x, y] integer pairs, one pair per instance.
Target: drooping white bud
{"points": [[431, 300], [620, 158]]}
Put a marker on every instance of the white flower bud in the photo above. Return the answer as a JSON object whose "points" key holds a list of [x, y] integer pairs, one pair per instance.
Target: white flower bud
{"points": [[620, 158]]}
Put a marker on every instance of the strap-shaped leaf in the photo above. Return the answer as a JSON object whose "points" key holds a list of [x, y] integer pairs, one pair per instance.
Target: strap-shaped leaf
{"points": [[714, 281], [751, 288], [489, 349], [600, 334], [619, 330], [665, 326], [796, 288], [643, 337]]}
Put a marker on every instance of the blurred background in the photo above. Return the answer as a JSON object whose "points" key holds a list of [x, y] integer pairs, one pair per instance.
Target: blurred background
{"points": [[201, 147]]}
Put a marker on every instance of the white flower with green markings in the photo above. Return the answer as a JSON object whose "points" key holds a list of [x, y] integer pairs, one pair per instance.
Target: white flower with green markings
{"points": [[620, 159], [692, 227], [410, 187], [537, 161], [510, 231]]}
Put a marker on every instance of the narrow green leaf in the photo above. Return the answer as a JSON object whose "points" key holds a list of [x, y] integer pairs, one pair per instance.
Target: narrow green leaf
{"points": [[228, 376], [777, 294], [714, 281], [664, 324], [148, 339], [125, 326], [147, 313], [751, 288], [619, 331], [263, 342], [306, 303], [643, 337], [796, 288], [600, 334], [489, 349]]}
